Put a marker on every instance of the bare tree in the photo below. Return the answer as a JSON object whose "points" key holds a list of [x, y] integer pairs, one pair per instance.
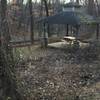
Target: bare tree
{"points": [[7, 78], [47, 14], [32, 22], [91, 7], [77, 1], [46, 7]]}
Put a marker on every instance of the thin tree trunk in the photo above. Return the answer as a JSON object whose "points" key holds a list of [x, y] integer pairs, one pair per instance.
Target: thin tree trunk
{"points": [[47, 14], [32, 21], [97, 32], [91, 7], [77, 1]]}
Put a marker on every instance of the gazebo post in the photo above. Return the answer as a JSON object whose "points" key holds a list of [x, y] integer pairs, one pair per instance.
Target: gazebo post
{"points": [[97, 31], [77, 32], [71, 29], [45, 36], [76, 42], [67, 30]]}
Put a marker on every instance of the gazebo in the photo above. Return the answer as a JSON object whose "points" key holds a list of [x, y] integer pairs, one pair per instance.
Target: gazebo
{"points": [[67, 18], [73, 18]]}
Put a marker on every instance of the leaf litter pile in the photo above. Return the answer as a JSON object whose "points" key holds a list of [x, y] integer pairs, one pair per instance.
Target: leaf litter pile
{"points": [[60, 74]]}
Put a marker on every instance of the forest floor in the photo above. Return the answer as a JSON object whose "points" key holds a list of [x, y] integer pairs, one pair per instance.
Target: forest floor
{"points": [[58, 74]]}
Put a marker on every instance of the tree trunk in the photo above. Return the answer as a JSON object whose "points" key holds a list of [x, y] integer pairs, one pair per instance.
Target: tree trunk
{"points": [[91, 7], [97, 32], [77, 1], [7, 80], [47, 14], [32, 22]]}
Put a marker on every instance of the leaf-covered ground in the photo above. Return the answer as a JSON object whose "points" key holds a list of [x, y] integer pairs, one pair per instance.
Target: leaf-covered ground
{"points": [[53, 74]]}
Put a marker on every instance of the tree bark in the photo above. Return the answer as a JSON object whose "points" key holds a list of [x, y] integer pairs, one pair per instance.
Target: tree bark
{"points": [[77, 1], [91, 7], [32, 22], [7, 80], [97, 32], [47, 14]]}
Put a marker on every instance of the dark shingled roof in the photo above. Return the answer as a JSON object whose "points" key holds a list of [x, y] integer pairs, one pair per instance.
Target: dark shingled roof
{"points": [[68, 17], [72, 4]]}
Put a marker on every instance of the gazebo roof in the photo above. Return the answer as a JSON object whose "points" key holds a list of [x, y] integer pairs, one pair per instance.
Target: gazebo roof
{"points": [[72, 4], [69, 17]]}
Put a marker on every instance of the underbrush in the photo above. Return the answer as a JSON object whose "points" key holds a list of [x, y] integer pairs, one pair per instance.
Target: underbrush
{"points": [[88, 54], [53, 74]]}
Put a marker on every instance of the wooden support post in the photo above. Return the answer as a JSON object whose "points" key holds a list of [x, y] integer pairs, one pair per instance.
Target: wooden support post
{"points": [[76, 42], [77, 32], [67, 30], [45, 37], [71, 29], [97, 32]]}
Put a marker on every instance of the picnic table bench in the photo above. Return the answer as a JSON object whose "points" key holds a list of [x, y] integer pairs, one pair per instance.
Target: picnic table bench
{"points": [[71, 39]]}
